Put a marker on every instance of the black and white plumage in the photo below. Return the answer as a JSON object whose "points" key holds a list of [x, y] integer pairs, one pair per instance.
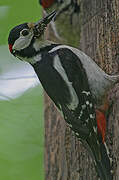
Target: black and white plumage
{"points": [[72, 80], [72, 6]]}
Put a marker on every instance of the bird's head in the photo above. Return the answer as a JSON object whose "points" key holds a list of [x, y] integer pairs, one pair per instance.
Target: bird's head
{"points": [[22, 38]]}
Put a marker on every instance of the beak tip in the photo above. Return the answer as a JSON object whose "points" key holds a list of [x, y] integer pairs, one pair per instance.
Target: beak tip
{"points": [[40, 26], [52, 15]]}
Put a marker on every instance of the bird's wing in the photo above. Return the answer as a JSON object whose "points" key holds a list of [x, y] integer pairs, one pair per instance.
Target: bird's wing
{"points": [[80, 112], [82, 119]]}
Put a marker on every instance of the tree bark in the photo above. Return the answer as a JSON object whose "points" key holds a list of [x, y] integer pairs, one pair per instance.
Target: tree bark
{"points": [[98, 27]]}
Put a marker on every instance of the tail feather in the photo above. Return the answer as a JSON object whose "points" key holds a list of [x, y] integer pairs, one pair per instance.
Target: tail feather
{"points": [[101, 159], [103, 165]]}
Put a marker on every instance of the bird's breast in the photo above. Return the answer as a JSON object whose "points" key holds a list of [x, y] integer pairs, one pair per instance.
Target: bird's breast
{"points": [[52, 82]]}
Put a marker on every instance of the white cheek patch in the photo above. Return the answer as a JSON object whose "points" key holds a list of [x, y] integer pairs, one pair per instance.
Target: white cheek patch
{"points": [[22, 42]]}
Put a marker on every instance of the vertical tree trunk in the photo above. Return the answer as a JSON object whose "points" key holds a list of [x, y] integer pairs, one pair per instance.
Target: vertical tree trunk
{"points": [[65, 158]]}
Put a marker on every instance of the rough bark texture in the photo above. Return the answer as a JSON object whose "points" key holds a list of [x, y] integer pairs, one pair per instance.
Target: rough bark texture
{"points": [[65, 158]]}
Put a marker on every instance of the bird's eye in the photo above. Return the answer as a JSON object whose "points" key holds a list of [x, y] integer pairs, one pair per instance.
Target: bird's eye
{"points": [[25, 32]]}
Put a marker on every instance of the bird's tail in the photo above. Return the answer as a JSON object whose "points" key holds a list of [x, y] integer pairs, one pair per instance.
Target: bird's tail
{"points": [[103, 165], [102, 161]]}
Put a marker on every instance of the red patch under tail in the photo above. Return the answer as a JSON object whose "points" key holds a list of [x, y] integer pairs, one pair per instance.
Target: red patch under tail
{"points": [[101, 124]]}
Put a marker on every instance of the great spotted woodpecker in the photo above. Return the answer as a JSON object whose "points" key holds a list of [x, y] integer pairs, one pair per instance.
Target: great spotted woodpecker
{"points": [[63, 5], [73, 81]]}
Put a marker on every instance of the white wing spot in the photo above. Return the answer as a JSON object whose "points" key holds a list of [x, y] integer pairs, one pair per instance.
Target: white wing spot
{"points": [[91, 105], [81, 113], [86, 92], [79, 117], [87, 102], [95, 129], [91, 116], [83, 106], [77, 134], [112, 171], [87, 120]]}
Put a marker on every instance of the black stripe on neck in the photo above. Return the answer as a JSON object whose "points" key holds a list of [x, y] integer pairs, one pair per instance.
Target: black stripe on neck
{"points": [[30, 51], [48, 47]]}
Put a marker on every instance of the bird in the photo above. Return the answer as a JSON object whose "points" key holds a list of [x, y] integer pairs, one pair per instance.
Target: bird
{"points": [[75, 83], [72, 6], [46, 3]]}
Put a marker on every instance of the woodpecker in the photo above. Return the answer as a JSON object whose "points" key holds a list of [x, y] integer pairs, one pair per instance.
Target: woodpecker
{"points": [[75, 83], [62, 6]]}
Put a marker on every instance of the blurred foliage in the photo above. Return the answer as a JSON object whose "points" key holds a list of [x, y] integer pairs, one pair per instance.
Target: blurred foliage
{"points": [[21, 119], [14, 12], [21, 137]]}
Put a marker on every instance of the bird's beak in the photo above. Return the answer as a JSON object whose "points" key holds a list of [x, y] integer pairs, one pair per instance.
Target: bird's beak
{"points": [[41, 25], [46, 20]]}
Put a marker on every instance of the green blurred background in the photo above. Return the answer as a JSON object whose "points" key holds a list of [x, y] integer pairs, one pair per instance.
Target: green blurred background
{"points": [[21, 119]]}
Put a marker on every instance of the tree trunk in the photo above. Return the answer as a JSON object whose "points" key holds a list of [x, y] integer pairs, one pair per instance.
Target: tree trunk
{"points": [[98, 26]]}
